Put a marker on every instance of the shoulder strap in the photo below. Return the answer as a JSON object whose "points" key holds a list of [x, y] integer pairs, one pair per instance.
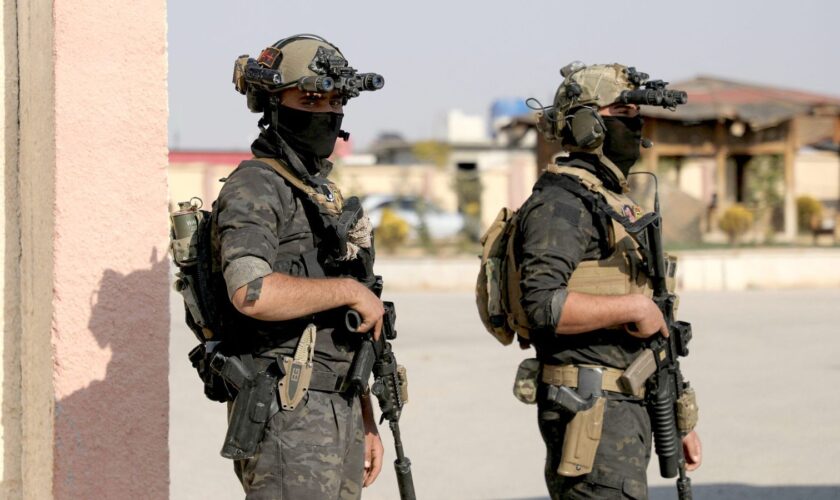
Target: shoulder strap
{"points": [[587, 178], [588, 187], [327, 211], [327, 197]]}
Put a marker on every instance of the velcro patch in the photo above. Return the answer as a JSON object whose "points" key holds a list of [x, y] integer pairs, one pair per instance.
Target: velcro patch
{"points": [[269, 57], [253, 290]]}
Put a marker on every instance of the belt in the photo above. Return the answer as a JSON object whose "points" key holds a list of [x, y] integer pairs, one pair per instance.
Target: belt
{"points": [[327, 382], [568, 375], [321, 381]]}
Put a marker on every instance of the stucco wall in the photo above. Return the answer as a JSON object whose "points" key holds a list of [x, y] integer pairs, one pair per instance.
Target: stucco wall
{"points": [[111, 321], [85, 271]]}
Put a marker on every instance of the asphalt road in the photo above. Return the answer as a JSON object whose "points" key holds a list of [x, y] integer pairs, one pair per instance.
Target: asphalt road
{"points": [[766, 366]]}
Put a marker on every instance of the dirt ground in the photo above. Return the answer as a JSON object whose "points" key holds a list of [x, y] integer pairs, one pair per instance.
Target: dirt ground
{"points": [[764, 363]]}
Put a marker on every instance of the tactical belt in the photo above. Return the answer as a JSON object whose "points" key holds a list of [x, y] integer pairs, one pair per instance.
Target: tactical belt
{"points": [[568, 375], [321, 381], [326, 382]]}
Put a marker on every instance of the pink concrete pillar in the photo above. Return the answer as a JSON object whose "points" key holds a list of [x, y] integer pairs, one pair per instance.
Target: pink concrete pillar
{"points": [[92, 229]]}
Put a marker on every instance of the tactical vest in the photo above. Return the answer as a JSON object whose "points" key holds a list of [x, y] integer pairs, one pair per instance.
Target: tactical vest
{"points": [[621, 272], [323, 207], [330, 218], [209, 313]]}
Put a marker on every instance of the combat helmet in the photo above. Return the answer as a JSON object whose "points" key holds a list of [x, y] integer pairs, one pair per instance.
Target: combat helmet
{"points": [[573, 117], [305, 61]]}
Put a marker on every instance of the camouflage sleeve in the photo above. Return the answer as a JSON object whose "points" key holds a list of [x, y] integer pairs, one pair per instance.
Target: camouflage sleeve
{"points": [[555, 233], [249, 208]]}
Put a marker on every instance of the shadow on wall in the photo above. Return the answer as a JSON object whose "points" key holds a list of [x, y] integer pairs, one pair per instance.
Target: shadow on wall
{"points": [[111, 436], [731, 491]]}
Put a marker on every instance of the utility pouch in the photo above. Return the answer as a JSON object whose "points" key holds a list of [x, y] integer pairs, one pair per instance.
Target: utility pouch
{"points": [[402, 377], [297, 370], [525, 384], [583, 433], [687, 411]]}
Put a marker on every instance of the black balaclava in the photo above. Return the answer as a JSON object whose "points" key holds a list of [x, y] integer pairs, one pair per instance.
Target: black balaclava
{"points": [[310, 134], [622, 141]]}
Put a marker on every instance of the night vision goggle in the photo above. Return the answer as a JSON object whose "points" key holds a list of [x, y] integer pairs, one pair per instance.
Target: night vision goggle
{"points": [[334, 74], [652, 92], [648, 92]]}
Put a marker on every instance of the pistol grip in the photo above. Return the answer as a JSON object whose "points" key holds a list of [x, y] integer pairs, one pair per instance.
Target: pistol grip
{"points": [[568, 400], [635, 376]]}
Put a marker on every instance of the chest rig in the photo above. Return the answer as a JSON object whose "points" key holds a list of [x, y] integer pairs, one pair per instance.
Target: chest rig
{"points": [[331, 218], [621, 272]]}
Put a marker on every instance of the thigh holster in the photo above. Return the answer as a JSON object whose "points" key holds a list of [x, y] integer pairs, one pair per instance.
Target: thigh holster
{"points": [[578, 390]]}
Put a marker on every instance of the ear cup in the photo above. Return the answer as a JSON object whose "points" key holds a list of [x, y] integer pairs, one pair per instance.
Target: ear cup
{"points": [[587, 128]]}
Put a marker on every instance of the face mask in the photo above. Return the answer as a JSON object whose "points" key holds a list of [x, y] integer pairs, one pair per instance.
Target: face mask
{"points": [[310, 134], [622, 143]]}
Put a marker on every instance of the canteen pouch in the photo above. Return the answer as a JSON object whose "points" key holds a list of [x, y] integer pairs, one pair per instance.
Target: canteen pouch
{"points": [[583, 433], [525, 384]]}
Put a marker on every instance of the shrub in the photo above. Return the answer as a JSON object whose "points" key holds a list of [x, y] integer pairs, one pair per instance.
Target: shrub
{"points": [[808, 212], [392, 231], [735, 222]]}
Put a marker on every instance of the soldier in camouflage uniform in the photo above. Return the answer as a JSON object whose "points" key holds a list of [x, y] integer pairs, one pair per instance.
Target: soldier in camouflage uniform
{"points": [[575, 322], [270, 245]]}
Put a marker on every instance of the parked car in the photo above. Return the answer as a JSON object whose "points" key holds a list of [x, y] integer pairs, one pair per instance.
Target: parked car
{"points": [[414, 210]]}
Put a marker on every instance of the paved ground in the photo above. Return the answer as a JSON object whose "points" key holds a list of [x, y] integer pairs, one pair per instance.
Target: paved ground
{"points": [[765, 365]]}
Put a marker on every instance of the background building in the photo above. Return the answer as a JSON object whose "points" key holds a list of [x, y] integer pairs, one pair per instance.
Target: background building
{"points": [[741, 143]]}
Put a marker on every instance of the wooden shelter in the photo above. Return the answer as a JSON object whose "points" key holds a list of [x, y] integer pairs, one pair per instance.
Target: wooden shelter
{"points": [[727, 121]]}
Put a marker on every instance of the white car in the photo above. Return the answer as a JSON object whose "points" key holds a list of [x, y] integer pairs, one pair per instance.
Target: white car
{"points": [[413, 209]]}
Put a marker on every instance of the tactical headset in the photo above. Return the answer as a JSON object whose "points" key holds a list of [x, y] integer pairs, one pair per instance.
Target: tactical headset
{"points": [[584, 128]]}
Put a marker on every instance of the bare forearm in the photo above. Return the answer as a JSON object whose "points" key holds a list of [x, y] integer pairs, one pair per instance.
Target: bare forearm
{"points": [[584, 312], [285, 297]]}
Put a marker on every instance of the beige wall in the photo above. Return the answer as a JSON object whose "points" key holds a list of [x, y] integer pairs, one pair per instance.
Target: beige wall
{"points": [[188, 180], [818, 175], [506, 181], [427, 181], [33, 175], [85, 274], [10, 412]]}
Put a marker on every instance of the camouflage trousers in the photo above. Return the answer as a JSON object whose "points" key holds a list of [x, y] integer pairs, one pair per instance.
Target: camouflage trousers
{"points": [[313, 451], [621, 460]]}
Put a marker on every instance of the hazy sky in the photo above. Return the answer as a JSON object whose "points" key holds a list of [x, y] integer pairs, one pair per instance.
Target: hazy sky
{"points": [[440, 55]]}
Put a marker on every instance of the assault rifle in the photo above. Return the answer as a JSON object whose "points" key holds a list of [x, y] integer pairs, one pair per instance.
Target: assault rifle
{"points": [[658, 366], [390, 385]]}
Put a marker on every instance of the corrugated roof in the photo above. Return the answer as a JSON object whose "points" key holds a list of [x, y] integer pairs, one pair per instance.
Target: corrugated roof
{"points": [[759, 106]]}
